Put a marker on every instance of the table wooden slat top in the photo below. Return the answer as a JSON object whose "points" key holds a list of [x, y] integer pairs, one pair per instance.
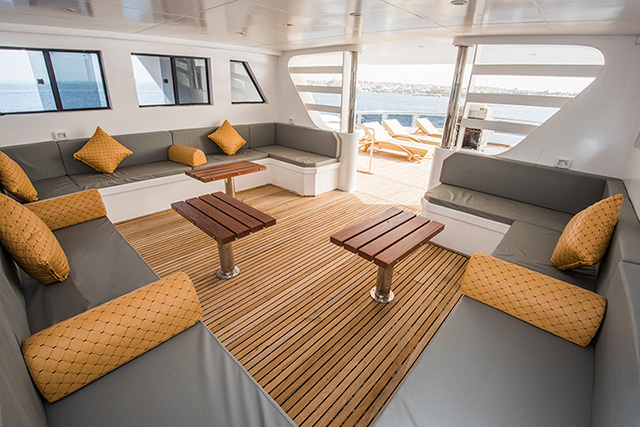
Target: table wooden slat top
{"points": [[228, 170], [388, 237], [223, 217]]}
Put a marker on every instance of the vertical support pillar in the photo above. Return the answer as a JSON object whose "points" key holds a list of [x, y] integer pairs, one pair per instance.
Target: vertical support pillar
{"points": [[229, 187], [382, 291], [228, 268], [454, 100], [349, 151], [353, 90]]}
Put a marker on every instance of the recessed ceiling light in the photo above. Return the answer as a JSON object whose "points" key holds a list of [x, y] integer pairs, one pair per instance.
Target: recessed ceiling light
{"points": [[458, 2], [241, 33], [287, 25], [356, 14], [68, 9]]}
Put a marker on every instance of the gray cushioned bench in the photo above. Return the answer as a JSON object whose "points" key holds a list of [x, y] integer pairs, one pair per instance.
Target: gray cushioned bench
{"points": [[54, 172], [191, 379], [486, 368]]}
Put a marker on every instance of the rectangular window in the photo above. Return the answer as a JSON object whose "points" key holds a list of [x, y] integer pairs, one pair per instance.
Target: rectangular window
{"points": [[244, 88], [39, 80], [171, 80]]}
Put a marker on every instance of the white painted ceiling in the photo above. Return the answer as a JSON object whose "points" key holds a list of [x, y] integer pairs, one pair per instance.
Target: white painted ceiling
{"points": [[283, 25]]}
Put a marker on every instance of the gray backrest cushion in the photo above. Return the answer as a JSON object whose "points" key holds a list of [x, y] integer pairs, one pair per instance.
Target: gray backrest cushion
{"points": [[147, 147], [625, 244], [318, 141], [616, 394], [39, 161], [561, 190], [262, 134], [199, 138], [20, 404]]}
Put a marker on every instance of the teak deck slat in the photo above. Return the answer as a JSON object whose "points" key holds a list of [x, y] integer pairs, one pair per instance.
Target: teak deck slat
{"points": [[229, 170], [299, 317]]}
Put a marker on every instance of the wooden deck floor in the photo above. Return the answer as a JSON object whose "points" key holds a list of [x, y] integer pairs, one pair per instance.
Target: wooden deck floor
{"points": [[299, 316]]}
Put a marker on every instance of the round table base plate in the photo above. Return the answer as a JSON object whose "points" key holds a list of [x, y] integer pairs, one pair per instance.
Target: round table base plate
{"points": [[221, 274], [378, 298]]}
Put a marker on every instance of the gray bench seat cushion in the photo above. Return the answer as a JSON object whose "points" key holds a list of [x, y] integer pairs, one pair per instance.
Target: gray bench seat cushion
{"points": [[39, 161], [495, 208], [54, 187], [190, 379], [296, 157], [199, 138], [486, 368], [129, 174], [531, 246], [103, 266], [248, 155]]}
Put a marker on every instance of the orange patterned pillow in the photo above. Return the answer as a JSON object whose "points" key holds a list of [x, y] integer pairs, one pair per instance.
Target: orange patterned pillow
{"points": [[560, 308], [75, 352], [102, 152], [30, 242], [227, 139], [186, 155], [15, 181], [71, 209], [586, 237]]}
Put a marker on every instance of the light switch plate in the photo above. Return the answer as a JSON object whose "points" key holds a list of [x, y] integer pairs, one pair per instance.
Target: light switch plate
{"points": [[563, 163], [59, 135]]}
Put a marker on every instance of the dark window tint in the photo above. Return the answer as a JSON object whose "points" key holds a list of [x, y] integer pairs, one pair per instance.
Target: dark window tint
{"points": [[37, 80], [244, 88]]}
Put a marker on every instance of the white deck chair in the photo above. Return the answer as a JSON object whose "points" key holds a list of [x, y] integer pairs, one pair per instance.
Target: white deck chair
{"points": [[398, 131], [376, 135], [425, 127]]}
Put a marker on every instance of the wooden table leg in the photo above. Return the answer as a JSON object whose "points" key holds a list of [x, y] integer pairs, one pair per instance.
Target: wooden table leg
{"points": [[382, 291], [229, 187], [227, 266]]}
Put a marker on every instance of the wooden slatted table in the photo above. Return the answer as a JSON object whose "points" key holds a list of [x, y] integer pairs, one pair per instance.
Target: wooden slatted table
{"points": [[385, 239], [225, 219], [227, 172]]}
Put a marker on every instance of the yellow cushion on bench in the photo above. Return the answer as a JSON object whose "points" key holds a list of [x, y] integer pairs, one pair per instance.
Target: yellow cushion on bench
{"points": [[586, 237], [31, 243], [560, 308], [102, 152], [71, 209], [187, 155], [75, 352], [227, 138], [15, 181]]}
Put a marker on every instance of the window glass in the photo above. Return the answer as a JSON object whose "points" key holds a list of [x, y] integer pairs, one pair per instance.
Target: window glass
{"points": [[154, 81], [243, 86], [191, 76], [37, 80], [79, 80], [24, 82]]}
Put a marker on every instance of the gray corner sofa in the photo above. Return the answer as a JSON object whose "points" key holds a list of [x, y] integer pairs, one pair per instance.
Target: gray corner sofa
{"points": [[54, 172], [486, 368], [191, 379]]}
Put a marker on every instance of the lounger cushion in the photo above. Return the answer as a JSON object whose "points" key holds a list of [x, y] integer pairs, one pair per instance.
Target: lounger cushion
{"points": [[531, 246], [296, 157], [71, 354], [586, 237], [30, 242], [487, 368], [560, 308], [53, 187], [15, 181], [71, 209], [129, 174], [94, 277], [102, 152], [189, 377], [227, 138], [495, 208], [187, 155]]}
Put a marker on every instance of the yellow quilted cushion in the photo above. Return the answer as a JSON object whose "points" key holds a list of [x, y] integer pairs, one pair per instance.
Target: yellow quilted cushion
{"points": [[71, 354], [15, 181], [71, 209], [560, 308], [187, 155], [102, 152], [227, 139], [30, 242], [586, 237]]}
